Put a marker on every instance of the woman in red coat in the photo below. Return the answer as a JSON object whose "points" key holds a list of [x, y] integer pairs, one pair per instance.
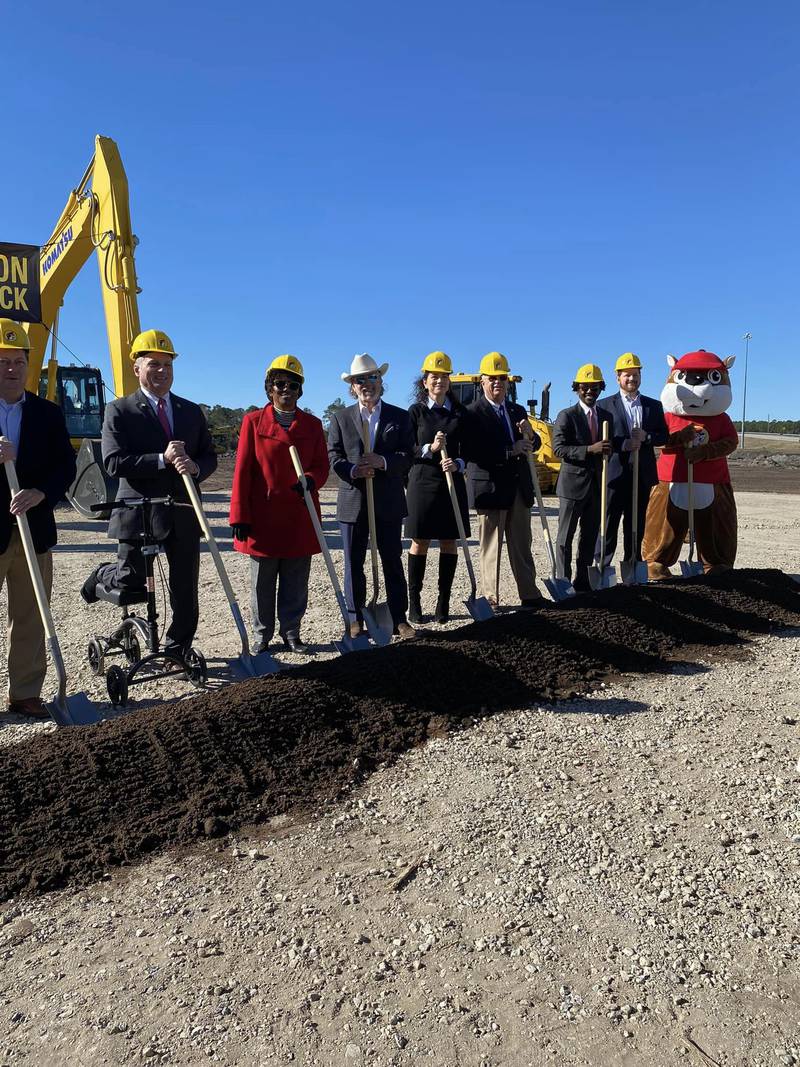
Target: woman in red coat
{"points": [[268, 514]]}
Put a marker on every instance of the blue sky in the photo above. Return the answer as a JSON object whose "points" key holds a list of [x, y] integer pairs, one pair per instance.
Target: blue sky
{"points": [[559, 182]]}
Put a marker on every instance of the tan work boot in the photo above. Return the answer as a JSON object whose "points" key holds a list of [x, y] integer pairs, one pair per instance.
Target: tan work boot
{"points": [[657, 572]]}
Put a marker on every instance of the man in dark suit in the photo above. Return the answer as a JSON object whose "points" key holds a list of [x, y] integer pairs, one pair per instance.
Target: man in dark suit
{"points": [[150, 439], [578, 443], [386, 464], [500, 482], [637, 426], [35, 437]]}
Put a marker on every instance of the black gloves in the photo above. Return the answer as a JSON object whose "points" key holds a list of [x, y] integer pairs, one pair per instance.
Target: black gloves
{"points": [[241, 530], [311, 485]]}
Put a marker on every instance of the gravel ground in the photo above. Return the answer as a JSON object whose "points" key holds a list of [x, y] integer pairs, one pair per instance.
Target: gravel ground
{"points": [[609, 880]]}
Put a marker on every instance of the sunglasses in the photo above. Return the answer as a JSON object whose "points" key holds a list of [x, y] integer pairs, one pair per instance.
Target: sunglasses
{"points": [[363, 378], [283, 386], [497, 377]]}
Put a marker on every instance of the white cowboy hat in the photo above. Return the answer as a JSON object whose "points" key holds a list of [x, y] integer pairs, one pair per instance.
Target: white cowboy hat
{"points": [[363, 363]]}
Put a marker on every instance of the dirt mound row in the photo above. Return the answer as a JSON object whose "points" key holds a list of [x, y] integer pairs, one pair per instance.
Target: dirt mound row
{"points": [[77, 802]]}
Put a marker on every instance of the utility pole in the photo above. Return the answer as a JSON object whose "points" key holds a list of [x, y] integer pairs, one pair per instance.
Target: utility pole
{"points": [[746, 338]]}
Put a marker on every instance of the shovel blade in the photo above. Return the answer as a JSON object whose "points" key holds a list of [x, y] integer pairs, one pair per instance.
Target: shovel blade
{"points": [[346, 644], [691, 569], [381, 635], [75, 710], [479, 608], [602, 577], [246, 666], [559, 588], [642, 577]]}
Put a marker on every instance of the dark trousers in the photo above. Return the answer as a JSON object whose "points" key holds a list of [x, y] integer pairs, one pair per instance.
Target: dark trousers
{"points": [[620, 507], [355, 538], [570, 514], [183, 562], [288, 578]]}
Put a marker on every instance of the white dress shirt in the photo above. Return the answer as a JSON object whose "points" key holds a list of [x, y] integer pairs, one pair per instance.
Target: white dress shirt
{"points": [[11, 420], [426, 452], [371, 418], [632, 406]]}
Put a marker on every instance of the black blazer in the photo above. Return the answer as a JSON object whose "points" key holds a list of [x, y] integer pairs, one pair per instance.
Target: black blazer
{"points": [[393, 440], [494, 477], [46, 461], [580, 469], [653, 424], [132, 442]]}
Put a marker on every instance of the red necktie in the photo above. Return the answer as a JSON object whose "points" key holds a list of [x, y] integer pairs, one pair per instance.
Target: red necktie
{"points": [[593, 424], [162, 417]]}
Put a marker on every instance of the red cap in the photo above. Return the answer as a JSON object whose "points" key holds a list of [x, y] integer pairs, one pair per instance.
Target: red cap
{"points": [[700, 360]]}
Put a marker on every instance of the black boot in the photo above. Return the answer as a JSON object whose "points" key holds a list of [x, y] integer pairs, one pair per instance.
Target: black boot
{"points": [[416, 576], [447, 570]]}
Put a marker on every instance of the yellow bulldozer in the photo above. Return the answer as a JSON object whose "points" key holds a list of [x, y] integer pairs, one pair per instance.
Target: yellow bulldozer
{"points": [[466, 388]]}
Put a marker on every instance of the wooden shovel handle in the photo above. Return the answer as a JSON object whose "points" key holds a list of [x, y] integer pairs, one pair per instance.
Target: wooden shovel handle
{"points": [[373, 540]]}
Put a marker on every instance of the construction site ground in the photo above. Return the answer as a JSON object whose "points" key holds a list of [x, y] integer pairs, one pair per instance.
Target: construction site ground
{"points": [[570, 837]]}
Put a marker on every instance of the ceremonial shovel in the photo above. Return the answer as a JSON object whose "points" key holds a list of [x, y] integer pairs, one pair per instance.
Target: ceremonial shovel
{"points": [[377, 616], [478, 606], [691, 567], [602, 576], [634, 570], [246, 665], [75, 710], [558, 588], [347, 643]]}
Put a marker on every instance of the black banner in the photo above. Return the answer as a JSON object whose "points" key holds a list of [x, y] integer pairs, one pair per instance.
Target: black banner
{"points": [[20, 289]]}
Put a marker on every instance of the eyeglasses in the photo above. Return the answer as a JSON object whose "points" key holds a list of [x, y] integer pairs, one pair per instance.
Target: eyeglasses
{"points": [[363, 378], [497, 377], [286, 386]]}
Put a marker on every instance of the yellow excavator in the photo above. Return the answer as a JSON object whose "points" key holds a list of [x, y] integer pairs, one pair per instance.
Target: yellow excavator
{"points": [[96, 219], [466, 387]]}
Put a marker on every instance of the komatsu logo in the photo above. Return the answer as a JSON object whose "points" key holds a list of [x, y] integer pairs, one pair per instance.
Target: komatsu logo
{"points": [[56, 250]]}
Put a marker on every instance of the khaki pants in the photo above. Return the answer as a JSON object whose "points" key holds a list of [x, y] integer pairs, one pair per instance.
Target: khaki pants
{"points": [[27, 656], [515, 526]]}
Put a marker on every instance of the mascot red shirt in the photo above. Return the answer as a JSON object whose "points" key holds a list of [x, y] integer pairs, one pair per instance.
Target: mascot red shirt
{"points": [[695, 398]]}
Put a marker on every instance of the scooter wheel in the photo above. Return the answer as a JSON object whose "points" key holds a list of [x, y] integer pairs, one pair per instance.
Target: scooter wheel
{"points": [[117, 684], [94, 654], [131, 647], [196, 669]]}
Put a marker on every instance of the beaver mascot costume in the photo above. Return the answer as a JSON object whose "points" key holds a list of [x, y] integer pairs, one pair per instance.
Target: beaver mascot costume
{"points": [[695, 398]]}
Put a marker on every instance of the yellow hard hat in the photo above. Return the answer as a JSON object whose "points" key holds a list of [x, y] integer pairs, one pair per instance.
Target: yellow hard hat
{"points": [[288, 363], [494, 363], [437, 361], [155, 341], [589, 372], [628, 361], [13, 336]]}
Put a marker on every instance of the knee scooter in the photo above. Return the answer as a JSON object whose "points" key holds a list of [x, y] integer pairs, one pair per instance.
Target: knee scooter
{"points": [[127, 639]]}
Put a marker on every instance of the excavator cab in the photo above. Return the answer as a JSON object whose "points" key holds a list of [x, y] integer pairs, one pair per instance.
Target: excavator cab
{"points": [[79, 393]]}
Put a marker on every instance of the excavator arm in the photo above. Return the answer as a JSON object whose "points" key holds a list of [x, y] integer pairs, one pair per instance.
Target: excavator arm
{"points": [[96, 219]]}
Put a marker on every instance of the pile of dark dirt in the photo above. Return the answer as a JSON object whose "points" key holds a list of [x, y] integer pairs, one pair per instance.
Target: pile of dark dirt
{"points": [[79, 801]]}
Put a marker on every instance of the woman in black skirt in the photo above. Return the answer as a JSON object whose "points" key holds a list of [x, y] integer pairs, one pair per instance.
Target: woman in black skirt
{"points": [[438, 420]]}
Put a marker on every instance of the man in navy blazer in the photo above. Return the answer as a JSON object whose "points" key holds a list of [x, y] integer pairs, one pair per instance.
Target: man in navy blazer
{"points": [[35, 437], [637, 426], [150, 439], [386, 464], [578, 443]]}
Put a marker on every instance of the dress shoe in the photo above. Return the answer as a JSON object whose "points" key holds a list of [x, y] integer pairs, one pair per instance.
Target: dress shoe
{"points": [[88, 588], [30, 707], [262, 646], [531, 602], [356, 629], [294, 643], [404, 631]]}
